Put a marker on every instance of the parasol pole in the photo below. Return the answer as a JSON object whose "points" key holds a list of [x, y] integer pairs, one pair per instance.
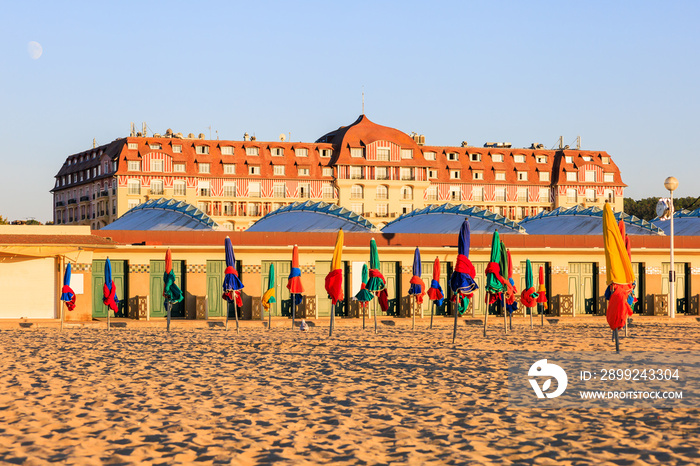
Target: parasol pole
{"points": [[505, 311], [413, 314], [375, 315], [109, 327], [294, 309], [432, 311], [530, 310], [269, 318], [617, 340], [362, 310], [235, 312], [330, 328], [540, 309], [228, 310], [168, 306], [486, 316], [454, 330]]}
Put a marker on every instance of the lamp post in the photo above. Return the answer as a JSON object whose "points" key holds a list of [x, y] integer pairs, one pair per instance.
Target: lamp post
{"points": [[671, 183]]}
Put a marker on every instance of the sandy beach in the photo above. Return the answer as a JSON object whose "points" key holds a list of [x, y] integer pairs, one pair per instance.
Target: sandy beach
{"points": [[141, 396]]}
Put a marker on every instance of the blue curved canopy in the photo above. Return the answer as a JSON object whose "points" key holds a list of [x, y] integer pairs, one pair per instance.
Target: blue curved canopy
{"points": [[579, 220], [312, 217], [448, 218], [685, 223], [164, 215]]}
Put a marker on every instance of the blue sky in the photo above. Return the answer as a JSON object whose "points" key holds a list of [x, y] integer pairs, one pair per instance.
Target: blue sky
{"points": [[622, 75]]}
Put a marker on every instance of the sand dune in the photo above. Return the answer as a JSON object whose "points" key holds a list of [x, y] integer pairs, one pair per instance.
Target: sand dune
{"points": [[88, 396]]}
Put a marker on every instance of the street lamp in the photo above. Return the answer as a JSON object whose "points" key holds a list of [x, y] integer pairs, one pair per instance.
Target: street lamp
{"points": [[671, 183]]}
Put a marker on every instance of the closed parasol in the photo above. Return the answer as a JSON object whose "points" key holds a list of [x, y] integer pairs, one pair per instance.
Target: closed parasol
{"points": [[462, 279]]}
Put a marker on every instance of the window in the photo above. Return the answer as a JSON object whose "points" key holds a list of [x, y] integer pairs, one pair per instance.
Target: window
{"points": [[407, 193], [587, 158], [229, 190], [406, 208], [179, 167], [228, 210], [477, 175], [406, 153], [359, 209], [519, 158], [431, 193], [605, 160], [204, 168], [406, 173], [327, 171], [156, 165], [179, 188], [326, 152], [303, 171], [203, 188], [133, 146], [500, 176], [356, 173], [590, 195], [544, 194], [304, 190], [328, 192], [254, 189], [569, 159], [381, 173], [544, 176], [478, 193], [432, 173], [608, 177], [609, 195], [227, 150], [201, 149], [475, 157], [589, 176], [229, 169], [157, 187], [357, 192], [522, 194], [155, 146], [453, 156], [277, 152], [134, 166], [278, 190], [522, 176], [253, 169], [252, 151], [429, 155], [571, 176], [455, 193], [357, 152], [541, 158], [177, 149], [254, 209], [382, 210], [278, 170], [301, 152], [571, 196], [133, 203], [383, 153], [501, 194], [497, 157], [455, 174], [382, 192], [134, 187]]}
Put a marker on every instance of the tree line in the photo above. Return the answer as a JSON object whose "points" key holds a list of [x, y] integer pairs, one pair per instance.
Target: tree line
{"points": [[646, 208]]}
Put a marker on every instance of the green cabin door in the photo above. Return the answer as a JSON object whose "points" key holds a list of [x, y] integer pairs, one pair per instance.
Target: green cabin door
{"points": [[390, 270], [215, 283], [479, 295], [323, 302], [680, 288], [119, 269], [581, 286], [156, 294], [282, 307]]}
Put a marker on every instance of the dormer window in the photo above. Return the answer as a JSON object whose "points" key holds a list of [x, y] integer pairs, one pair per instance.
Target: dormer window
{"points": [[326, 152], [429, 155], [519, 158], [301, 152], [406, 153], [357, 152], [569, 159], [252, 151], [587, 158], [202, 149], [177, 149], [155, 145], [475, 158], [277, 152], [478, 175], [497, 157], [133, 146], [227, 150], [452, 156], [541, 158]]}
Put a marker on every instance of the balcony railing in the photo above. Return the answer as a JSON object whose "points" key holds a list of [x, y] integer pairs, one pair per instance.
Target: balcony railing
{"points": [[84, 198], [60, 204], [72, 201]]}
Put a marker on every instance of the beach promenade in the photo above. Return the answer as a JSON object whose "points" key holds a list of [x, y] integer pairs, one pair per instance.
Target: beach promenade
{"points": [[138, 395]]}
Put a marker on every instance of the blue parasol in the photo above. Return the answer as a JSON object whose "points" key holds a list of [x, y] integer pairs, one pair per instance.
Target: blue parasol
{"points": [[109, 290], [231, 281], [67, 293]]}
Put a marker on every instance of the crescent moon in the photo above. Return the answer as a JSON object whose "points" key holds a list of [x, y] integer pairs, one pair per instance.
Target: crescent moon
{"points": [[35, 50]]}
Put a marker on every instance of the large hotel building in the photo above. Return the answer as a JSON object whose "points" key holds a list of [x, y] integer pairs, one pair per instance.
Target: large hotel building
{"points": [[375, 171]]}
